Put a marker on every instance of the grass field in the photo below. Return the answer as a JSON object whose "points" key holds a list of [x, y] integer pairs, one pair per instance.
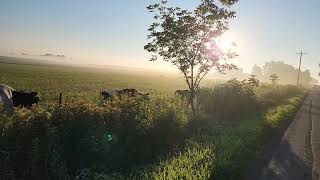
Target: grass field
{"points": [[135, 139], [76, 82]]}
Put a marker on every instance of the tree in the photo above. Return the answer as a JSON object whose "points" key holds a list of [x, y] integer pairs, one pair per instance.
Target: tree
{"points": [[253, 81], [257, 71], [274, 79], [187, 39]]}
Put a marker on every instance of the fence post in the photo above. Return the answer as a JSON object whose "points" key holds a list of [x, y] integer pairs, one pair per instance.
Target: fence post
{"points": [[60, 100]]}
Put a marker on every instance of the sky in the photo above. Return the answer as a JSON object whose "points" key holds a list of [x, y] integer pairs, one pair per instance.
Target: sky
{"points": [[113, 32]]}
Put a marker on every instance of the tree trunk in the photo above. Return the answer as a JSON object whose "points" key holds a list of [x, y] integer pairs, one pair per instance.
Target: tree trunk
{"points": [[192, 91], [192, 95]]}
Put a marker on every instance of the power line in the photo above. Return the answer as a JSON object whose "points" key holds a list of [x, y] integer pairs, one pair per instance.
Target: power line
{"points": [[301, 54]]}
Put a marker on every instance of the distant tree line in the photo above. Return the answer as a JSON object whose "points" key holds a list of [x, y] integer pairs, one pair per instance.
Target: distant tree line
{"points": [[286, 74]]}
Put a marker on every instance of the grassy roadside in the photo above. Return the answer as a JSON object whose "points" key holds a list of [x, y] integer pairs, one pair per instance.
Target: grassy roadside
{"points": [[223, 154], [248, 141]]}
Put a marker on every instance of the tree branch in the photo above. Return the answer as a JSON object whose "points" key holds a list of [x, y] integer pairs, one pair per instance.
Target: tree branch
{"points": [[199, 73], [187, 79], [198, 83], [185, 76]]}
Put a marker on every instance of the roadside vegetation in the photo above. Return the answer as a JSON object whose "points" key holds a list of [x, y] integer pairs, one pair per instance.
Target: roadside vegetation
{"points": [[155, 138]]}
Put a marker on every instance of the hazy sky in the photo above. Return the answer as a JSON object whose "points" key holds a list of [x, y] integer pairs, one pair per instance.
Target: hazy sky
{"points": [[114, 31]]}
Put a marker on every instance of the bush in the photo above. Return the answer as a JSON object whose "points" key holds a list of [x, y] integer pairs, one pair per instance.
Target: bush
{"points": [[25, 142], [224, 153], [231, 101], [115, 138], [81, 135], [270, 96]]}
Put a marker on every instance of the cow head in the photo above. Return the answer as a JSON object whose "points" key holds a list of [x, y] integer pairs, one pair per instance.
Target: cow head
{"points": [[106, 95], [24, 99]]}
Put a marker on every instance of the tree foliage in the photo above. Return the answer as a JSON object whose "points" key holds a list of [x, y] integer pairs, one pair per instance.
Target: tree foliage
{"points": [[252, 81], [187, 39], [287, 72], [257, 71], [274, 79]]}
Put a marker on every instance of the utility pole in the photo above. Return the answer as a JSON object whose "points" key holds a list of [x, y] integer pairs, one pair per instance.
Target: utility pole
{"points": [[301, 54]]}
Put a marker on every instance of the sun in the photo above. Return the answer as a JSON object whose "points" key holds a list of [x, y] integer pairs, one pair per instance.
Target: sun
{"points": [[225, 44]]}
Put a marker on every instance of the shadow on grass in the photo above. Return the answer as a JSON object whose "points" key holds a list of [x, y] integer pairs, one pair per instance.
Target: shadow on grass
{"points": [[286, 165], [283, 159]]}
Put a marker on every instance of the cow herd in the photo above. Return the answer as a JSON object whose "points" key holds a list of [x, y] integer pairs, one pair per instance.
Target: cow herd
{"points": [[9, 97], [131, 93]]}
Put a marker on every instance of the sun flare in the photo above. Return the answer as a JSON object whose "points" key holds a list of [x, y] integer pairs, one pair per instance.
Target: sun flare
{"points": [[225, 44]]}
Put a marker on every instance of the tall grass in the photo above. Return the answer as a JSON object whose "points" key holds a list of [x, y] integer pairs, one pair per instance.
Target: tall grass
{"points": [[223, 153], [116, 136]]}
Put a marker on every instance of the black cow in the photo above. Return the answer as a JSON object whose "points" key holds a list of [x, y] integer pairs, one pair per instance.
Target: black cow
{"points": [[133, 93], [106, 95], [24, 99], [10, 98], [185, 94]]}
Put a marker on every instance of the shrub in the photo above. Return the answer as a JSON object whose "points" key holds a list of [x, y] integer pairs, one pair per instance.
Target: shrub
{"points": [[83, 139], [24, 141], [82, 135], [231, 101], [270, 96]]}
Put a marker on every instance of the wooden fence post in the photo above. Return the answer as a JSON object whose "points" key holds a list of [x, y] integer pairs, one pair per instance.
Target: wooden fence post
{"points": [[60, 100]]}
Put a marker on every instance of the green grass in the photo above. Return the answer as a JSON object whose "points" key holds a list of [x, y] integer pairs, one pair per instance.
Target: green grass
{"points": [[76, 82], [223, 154]]}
